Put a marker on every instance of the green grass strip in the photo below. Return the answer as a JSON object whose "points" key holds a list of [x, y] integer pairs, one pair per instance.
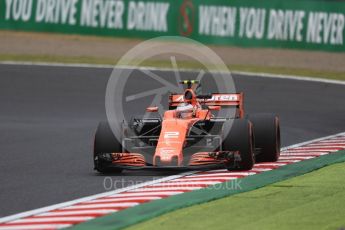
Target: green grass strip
{"points": [[311, 201], [156, 208]]}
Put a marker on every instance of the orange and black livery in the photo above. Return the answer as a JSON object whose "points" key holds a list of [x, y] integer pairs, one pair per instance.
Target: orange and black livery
{"points": [[190, 135]]}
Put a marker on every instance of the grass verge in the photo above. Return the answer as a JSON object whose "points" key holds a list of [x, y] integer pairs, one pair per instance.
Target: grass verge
{"points": [[167, 64], [150, 210], [311, 201]]}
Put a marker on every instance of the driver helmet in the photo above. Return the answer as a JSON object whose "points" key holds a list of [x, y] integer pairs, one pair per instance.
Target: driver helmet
{"points": [[185, 110]]}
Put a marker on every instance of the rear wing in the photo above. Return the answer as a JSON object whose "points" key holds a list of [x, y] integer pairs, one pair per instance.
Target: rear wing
{"points": [[221, 99]]}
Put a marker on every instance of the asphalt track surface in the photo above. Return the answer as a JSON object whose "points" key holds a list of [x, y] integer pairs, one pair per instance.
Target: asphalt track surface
{"points": [[48, 116]]}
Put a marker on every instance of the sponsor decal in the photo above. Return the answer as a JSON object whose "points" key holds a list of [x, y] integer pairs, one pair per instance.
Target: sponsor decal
{"points": [[186, 18], [103, 14], [217, 20], [169, 135], [147, 16], [215, 97], [224, 97], [166, 154]]}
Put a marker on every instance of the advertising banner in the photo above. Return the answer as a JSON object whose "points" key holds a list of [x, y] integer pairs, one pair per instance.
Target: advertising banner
{"points": [[298, 24]]}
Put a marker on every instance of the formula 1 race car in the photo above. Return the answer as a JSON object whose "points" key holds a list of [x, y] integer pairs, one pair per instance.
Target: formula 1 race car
{"points": [[190, 136]]}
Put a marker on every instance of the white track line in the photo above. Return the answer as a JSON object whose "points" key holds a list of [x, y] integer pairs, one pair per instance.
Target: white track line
{"points": [[327, 144], [35, 226], [50, 219], [251, 74], [206, 178], [254, 171], [270, 164], [288, 160], [261, 169], [290, 77], [228, 173], [329, 149], [76, 201], [332, 141], [107, 199], [304, 151], [307, 155], [174, 184], [80, 212], [182, 188], [101, 206], [314, 140], [57, 64], [143, 190], [290, 157], [162, 193]]}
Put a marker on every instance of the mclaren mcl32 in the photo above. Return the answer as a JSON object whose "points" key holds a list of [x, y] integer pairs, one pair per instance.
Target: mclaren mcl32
{"points": [[190, 135]]}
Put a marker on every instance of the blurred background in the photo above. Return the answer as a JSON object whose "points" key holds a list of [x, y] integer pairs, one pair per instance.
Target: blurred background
{"points": [[285, 37]]}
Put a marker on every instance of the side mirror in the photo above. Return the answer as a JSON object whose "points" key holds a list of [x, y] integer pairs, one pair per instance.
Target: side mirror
{"points": [[214, 107], [152, 109]]}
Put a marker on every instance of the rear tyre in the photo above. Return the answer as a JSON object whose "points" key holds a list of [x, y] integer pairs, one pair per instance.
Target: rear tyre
{"points": [[105, 143], [267, 137], [240, 138]]}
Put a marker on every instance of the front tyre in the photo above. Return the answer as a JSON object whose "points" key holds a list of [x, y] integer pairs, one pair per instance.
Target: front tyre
{"points": [[267, 137], [240, 138], [104, 144]]}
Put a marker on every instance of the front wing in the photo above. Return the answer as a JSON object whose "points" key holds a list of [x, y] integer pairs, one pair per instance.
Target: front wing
{"points": [[200, 160]]}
